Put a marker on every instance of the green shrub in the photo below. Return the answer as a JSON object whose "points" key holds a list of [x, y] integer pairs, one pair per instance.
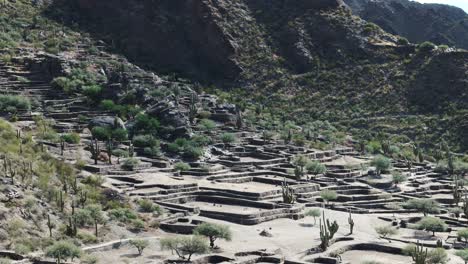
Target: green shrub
{"points": [[185, 247], [146, 124], [426, 46], [148, 206], [124, 215], [463, 254], [207, 124], [402, 41], [213, 232], [72, 138], [138, 225], [62, 251], [89, 259], [152, 151], [93, 92], [201, 140], [425, 206], [381, 163], [432, 224], [130, 164], [101, 133], [328, 195], [87, 238], [14, 103], [228, 138], [371, 28], [139, 244], [143, 141], [192, 152], [181, 166]]}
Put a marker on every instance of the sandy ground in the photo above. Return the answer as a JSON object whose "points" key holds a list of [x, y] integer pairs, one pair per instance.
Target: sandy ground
{"points": [[290, 238]]}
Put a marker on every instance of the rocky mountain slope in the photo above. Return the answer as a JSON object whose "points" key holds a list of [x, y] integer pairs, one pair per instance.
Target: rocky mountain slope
{"points": [[441, 24], [302, 60]]}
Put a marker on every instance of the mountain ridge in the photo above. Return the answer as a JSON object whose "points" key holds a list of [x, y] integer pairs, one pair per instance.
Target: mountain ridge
{"points": [[438, 23]]}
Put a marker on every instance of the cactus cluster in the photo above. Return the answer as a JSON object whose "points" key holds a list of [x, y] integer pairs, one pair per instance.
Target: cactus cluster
{"points": [[419, 255], [327, 231], [95, 150], [288, 193]]}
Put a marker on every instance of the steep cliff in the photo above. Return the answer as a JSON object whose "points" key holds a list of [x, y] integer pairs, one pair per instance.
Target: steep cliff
{"points": [[441, 24]]}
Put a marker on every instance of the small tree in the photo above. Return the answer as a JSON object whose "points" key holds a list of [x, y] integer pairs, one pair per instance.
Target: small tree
{"points": [[300, 161], [425, 206], [385, 231], [432, 224], [380, 163], [314, 213], [139, 244], [398, 177], [213, 232], [95, 212], [63, 250], [463, 254], [315, 168], [185, 247], [328, 195], [463, 234]]}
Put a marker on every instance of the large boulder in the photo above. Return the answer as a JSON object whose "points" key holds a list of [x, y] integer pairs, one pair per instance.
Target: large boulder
{"points": [[106, 121], [170, 115]]}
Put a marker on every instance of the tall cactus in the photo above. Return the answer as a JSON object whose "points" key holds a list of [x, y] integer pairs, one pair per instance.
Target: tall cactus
{"points": [[456, 191], [239, 121], [193, 109], [327, 231], [288, 193], [94, 149], [419, 255], [351, 223]]}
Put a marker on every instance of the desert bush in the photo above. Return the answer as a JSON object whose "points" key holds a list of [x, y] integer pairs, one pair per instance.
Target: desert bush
{"points": [[385, 231], [463, 254], [402, 41], [130, 164], [139, 244], [182, 166], [185, 247], [228, 138], [137, 225], [148, 206], [206, 125], [14, 103], [432, 224], [72, 138], [124, 215], [315, 168], [314, 213], [425, 206], [143, 141], [86, 237], [381, 163], [213, 232], [426, 46], [328, 195], [62, 251]]}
